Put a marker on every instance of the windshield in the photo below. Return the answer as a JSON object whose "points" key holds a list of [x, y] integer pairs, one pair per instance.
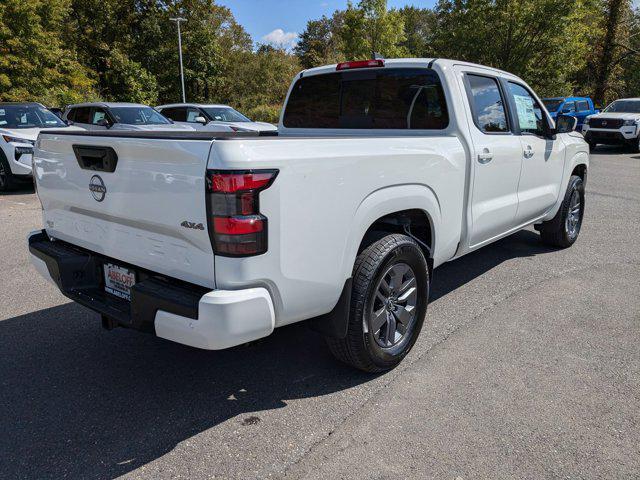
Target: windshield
{"points": [[28, 116], [624, 106], [138, 116], [552, 104], [225, 114]]}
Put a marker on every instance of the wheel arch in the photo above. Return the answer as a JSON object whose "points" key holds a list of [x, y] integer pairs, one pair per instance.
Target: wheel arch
{"points": [[577, 165], [393, 210]]}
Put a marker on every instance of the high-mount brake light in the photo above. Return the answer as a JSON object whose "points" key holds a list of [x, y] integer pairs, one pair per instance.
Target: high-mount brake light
{"points": [[361, 64], [236, 227]]}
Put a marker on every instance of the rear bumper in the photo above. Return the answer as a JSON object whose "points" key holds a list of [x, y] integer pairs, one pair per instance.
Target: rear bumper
{"points": [[173, 309]]}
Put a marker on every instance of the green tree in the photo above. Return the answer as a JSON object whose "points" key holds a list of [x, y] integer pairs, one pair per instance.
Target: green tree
{"points": [[210, 37], [370, 28], [629, 59], [544, 41], [612, 49], [318, 44], [419, 23], [260, 81], [35, 63]]}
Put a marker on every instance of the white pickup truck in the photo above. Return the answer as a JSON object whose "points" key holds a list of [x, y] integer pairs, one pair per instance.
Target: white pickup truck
{"points": [[381, 171]]}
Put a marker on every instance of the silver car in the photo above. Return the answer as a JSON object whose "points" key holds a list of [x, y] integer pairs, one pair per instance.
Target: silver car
{"points": [[213, 118], [118, 116]]}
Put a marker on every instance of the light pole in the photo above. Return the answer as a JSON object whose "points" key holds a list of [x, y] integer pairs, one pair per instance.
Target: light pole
{"points": [[178, 20]]}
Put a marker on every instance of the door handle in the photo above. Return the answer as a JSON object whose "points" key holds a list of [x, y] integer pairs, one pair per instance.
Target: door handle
{"points": [[528, 151], [485, 157]]}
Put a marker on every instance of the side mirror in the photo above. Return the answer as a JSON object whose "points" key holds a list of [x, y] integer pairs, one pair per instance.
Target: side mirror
{"points": [[566, 123], [103, 122], [201, 120]]}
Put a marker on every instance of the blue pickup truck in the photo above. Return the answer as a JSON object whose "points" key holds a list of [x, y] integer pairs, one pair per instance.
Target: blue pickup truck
{"points": [[579, 107]]}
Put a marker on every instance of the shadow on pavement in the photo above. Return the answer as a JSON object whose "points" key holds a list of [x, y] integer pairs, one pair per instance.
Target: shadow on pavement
{"points": [[610, 150], [80, 402], [24, 188]]}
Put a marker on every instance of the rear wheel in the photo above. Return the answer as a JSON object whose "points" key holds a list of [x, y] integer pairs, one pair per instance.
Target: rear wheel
{"points": [[7, 180], [563, 230], [634, 145], [388, 305]]}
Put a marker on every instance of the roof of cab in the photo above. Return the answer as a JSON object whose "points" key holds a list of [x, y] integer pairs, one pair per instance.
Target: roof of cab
{"points": [[20, 104], [570, 98], [408, 62], [107, 104], [197, 105]]}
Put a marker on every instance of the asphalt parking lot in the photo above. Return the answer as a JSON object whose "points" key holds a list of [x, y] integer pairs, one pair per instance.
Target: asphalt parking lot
{"points": [[528, 367]]}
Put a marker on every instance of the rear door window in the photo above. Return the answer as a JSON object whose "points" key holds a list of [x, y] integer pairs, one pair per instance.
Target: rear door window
{"points": [[487, 103], [583, 106], [177, 114], [82, 115], [393, 98]]}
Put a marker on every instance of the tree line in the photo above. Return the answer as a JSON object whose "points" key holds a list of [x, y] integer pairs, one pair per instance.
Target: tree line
{"points": [[66, 51]]}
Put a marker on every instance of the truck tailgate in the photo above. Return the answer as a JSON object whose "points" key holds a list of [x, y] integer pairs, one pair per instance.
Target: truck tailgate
{"points": [[146, 208]]}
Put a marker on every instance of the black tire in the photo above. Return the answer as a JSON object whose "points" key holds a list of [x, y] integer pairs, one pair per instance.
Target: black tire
{"points": [[592, 146], [557, 232], [361, 347], [7, 180], [634, 145]]}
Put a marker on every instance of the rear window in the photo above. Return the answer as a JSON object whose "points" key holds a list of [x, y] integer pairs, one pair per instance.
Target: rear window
{"points": [[390, 98], [583, 106]]}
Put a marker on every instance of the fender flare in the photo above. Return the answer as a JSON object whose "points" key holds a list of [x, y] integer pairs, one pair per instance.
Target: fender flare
{"points": [[580, 158], [375, 206], [386, 201]]}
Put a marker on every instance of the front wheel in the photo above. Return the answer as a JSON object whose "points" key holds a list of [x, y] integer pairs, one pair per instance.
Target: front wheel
{"points": [[634, 145], [7, 180], [563, 229], [388, 305]]}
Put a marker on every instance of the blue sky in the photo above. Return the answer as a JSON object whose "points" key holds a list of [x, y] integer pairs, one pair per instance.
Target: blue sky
{"points": [[279, 20]]}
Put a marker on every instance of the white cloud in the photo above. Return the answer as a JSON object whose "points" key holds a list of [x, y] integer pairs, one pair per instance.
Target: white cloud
{"points": [[281, 39]]}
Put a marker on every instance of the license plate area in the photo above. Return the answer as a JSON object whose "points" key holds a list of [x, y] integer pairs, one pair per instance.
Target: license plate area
{"points": [[118, 280]]}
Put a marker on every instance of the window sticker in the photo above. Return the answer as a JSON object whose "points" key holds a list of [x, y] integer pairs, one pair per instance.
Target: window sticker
{"points": [[526, 113]]}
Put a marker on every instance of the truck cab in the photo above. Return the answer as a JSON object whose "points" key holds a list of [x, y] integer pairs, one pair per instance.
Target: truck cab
{"points": [[578, 107]]}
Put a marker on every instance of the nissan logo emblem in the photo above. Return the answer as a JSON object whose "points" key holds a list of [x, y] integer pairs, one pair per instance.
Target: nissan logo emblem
{"points": [[97, 188]]}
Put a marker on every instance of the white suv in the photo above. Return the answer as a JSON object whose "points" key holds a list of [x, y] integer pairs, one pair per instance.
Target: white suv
{"points": [[20, 124], [618, 124]]}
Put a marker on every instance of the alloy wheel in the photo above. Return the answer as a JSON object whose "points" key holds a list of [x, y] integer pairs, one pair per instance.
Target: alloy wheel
{"points": [[574, 216], [393, 310]]}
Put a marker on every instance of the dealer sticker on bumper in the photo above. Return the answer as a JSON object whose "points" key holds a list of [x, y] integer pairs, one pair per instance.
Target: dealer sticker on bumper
{"points": [[118, 280]]}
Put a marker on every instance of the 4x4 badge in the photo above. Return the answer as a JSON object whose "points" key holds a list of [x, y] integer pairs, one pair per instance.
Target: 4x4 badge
{"points": [[97, 188], [195, 226]]}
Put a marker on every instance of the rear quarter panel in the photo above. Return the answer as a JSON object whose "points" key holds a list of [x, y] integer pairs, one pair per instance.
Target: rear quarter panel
{"points": [[327, 194]]}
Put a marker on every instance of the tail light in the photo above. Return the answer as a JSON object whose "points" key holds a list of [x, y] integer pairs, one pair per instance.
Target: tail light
{"points": [[236, 227]]}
